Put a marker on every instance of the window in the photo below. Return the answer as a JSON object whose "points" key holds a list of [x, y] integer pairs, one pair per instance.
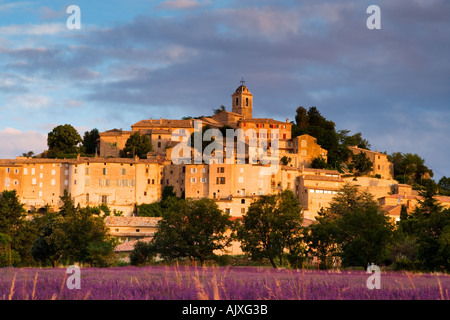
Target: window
{"points": [[220, 180], [33, 171], [87, 197], [25, 170], [104, 199], [16, 183], [237, 101], [243, 201], [145, 193], [220, 169], [204, 180], [105, 171], [74, 170], [41, 175], [74, 182], [241, 180], [8, 170], [16, 171], [243, 210], [6, 182], [193, 180], [123, 171], [88, 171], [138, 230], [246, 102], [193, 170], [159, 144], [159, 136]]}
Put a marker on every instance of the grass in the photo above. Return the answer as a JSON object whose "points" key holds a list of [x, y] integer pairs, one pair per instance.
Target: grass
{"points": [[218, 283]]}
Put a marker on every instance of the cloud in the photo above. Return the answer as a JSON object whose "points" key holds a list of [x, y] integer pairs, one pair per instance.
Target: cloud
{"points": [[16, 142], [33, 29], [180, 4]]}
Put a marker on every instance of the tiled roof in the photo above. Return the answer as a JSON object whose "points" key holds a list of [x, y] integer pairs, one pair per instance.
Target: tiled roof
{"points": [[113, 221], [263, 120], [115, 132], [171, 123], [322, 178], [129, 245]]}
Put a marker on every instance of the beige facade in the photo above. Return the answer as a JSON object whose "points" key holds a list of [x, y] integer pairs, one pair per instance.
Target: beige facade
{"points": [[317, 187], [111, 142], [119, 183], [381, 165]]}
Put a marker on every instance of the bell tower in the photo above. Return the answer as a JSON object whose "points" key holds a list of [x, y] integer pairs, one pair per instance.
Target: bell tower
{"points": [[242, 101]]}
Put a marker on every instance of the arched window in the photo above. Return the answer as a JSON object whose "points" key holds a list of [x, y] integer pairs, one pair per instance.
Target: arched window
{"points": [[246, 102], [237, 101]]}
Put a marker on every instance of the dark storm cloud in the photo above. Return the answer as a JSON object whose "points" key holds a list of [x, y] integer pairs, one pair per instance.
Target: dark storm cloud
{"points": [[390, 84]]}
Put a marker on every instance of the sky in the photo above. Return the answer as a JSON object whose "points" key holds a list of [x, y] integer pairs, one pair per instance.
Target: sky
{"points": [[140, 59]]}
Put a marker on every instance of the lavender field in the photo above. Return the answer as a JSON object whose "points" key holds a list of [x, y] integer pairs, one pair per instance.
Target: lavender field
{"points": [[218, 283]]}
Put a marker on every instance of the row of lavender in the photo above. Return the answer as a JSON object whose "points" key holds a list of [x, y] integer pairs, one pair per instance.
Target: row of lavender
{"points": [[228, 283]]}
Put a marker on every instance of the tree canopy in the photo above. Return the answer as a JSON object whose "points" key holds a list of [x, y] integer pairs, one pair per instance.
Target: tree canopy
{"points": [[273, 224], [63, 139], [137, 145]]}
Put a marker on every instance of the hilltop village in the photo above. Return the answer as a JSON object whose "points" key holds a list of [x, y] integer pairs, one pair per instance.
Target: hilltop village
{"points": [[124, 183]]}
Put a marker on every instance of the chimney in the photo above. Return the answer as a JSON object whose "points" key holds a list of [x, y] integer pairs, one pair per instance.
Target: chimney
{"points": [[287, 120], [160, 120]]}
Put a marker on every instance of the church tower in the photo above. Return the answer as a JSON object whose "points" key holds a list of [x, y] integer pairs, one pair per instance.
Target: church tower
{"points": [[243, 101]]}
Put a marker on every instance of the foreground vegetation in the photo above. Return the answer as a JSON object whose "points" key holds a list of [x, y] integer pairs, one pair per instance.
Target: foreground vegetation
{"points": [[218, 283]]}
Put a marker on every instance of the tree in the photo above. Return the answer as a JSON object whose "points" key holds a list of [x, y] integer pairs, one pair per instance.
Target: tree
{"points": [[410, 168], [63, 139], [353, 227], [142, 253], [28, 154], [361, 163], [429, 226], [271, 225], [77, 235], [220, 109], [444, 185], [90, 141], [319, 163], [136, 145], [192, 229]]}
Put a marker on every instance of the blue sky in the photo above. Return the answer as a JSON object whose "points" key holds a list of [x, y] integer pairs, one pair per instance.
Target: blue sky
{"points": [[142, 59]]}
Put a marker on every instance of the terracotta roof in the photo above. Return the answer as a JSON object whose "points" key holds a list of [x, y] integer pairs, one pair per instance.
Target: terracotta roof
{"points": [[171, 123], [364, 150], [22, 160], [111, 221], [129, 245], [263, 120], [307, 222], [322, 178], [115, 132], [321, 170], [392, 210]]}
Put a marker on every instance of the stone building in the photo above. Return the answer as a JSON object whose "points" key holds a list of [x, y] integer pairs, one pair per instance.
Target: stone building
{"points": [[381, 165]]}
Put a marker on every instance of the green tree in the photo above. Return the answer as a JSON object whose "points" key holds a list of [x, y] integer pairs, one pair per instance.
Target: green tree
{"points": [[137, 145], [90, 141], [271, 225], [361, 163], [77, 235], [194, 229], [410, 168], [444, 185], [142, 253], [63, 139], [353, 227]]}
